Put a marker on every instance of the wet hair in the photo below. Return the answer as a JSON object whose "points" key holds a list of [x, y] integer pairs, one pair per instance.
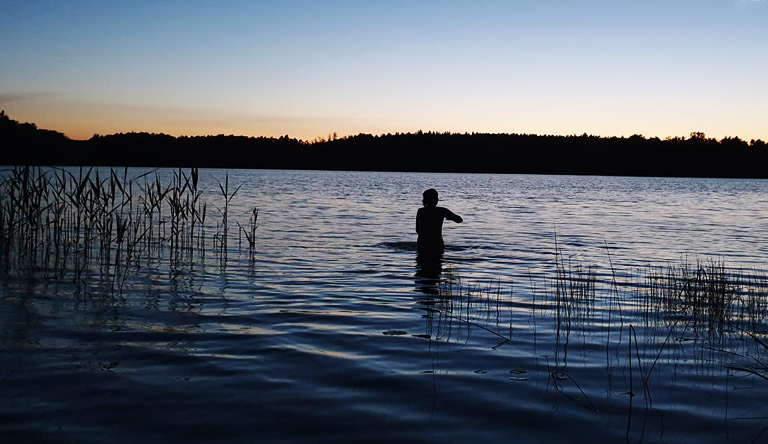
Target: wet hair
{"points": [[430, 197]]}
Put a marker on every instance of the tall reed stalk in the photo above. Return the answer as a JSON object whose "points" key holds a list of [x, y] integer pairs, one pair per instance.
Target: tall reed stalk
{"points": [[93, 224]]}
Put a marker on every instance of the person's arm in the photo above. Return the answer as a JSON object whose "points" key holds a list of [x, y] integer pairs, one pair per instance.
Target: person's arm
{"points": [[454, 217]]}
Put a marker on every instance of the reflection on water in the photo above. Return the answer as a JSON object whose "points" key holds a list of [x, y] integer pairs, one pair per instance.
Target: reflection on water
{"points": [[338, 331], [428, 270]]}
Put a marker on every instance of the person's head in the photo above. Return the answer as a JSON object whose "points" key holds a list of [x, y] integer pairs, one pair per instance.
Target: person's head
{"points": [[430, 198]]}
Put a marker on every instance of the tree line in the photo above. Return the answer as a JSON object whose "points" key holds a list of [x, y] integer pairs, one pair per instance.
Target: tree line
{"points": [[691, 156]]}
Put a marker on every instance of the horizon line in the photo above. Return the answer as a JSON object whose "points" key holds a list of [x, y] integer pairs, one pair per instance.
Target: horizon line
{"points": [[333, 135]]}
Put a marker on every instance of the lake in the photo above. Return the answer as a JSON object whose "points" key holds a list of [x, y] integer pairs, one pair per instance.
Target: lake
{"points": [[565, 309]]}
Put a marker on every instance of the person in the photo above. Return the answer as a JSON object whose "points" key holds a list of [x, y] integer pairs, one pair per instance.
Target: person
{"points": [[429, 224]]}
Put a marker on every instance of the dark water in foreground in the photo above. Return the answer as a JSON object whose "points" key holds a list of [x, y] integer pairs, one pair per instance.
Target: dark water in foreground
{"points": [[334, 334]]}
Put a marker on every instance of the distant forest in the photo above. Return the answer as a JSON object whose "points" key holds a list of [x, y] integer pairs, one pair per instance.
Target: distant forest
{"points": [[691, 156]]}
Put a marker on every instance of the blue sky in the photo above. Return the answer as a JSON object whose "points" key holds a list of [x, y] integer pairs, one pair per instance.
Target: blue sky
{"points": [[311, 68]]}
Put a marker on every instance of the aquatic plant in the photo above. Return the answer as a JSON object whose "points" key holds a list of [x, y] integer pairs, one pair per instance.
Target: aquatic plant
{"points": [[699, 313], [723, 309], [714, 298], [457, 303], [249, 232], [95, 224], [222, 229]]}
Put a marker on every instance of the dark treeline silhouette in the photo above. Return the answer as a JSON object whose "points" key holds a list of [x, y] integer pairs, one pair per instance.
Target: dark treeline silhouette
{"points": [[694, 156], [25, 141]]}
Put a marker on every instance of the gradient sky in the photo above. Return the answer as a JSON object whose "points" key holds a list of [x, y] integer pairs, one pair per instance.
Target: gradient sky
{"points": [[310, 68]]}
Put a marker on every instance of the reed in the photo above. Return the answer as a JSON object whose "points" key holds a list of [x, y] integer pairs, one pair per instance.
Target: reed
{"points": [[96, 224], [714, 298], [459, 306], [249, 231], [222, 229], [700, 313]]}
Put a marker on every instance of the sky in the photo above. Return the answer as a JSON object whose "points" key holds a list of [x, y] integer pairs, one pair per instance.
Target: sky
{"points": [[308, 69]]}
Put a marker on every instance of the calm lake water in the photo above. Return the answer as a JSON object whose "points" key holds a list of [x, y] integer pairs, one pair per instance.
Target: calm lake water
{"points": [[334, 332]]}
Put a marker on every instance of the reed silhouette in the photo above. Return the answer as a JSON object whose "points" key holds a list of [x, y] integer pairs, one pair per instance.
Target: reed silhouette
{"points": [[654, 325], [96, 226]]}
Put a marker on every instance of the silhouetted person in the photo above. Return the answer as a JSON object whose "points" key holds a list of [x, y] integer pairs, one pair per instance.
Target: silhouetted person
{"points": [[429, 224]]}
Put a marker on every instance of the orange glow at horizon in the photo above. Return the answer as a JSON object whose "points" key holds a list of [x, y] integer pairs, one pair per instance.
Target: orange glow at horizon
{"points": [[81, 123]]}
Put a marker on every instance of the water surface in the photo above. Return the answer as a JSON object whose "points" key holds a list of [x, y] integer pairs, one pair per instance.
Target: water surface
{"points": [[333, 333]]}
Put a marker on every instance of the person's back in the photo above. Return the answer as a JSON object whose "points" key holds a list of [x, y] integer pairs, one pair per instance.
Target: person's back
{"points": [[429, 223]]}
